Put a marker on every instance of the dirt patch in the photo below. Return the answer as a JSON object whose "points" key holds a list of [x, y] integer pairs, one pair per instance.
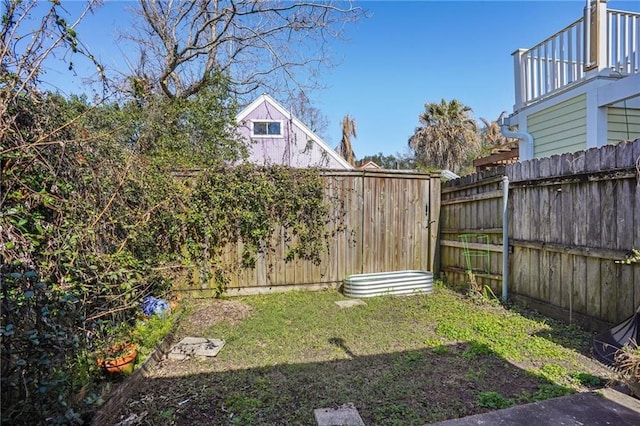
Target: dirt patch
{"points": [[298, 352], [215, 311]]}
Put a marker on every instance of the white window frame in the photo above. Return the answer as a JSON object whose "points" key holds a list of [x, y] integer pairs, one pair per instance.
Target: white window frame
{"points": [[279, 135]]}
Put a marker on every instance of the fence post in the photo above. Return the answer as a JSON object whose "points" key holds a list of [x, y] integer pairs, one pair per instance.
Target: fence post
{"points": [[434, 222], [505, 238], [521, 79]]}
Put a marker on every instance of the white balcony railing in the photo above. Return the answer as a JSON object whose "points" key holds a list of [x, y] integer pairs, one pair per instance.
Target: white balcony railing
{"points": [[623, 41], [568, 56]]}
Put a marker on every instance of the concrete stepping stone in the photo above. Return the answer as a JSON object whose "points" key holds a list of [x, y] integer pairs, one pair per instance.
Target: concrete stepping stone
{"points": [[200, 347], [345, 415], [349, 303]]}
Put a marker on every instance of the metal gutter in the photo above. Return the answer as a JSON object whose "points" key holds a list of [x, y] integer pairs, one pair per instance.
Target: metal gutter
{"points": [[526, 138]]}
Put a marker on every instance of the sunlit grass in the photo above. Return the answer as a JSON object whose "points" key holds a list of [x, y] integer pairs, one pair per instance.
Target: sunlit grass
{"points": [[400, 360], [300, 327]]}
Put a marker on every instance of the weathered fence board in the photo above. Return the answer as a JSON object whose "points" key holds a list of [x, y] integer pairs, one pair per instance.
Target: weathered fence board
{"points": [[636, 284], [579, 285], [566, 281], [481, 214], [571, 217], [381, 221]]}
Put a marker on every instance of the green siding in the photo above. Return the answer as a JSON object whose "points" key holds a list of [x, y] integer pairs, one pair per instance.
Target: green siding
{"points": [[560, 128], [623, 124]]}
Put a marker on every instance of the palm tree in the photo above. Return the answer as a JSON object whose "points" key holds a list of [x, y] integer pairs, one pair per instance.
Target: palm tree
{"points": [[447, 137], [348, 130], [492, 136]]}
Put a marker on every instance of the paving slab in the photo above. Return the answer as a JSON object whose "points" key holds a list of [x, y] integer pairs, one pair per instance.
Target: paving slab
{"points": [[606, 407], [200, 347], [346, 415], [349, 303]]}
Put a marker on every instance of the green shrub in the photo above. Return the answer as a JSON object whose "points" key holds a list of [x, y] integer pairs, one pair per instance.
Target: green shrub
{"points": [[149, 332], [494, 401], [92, 220], [550, 391], [476, 349], [39, 347]]}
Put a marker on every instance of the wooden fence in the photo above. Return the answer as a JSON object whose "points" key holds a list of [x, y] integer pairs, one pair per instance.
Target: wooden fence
{"points": [[571, 217], [381, 220]]}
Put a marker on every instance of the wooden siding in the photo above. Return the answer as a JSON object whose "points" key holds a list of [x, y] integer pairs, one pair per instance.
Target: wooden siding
{"points": [[560, 128], [388, 221], [571, 217], [623, 124], [295, 148]]}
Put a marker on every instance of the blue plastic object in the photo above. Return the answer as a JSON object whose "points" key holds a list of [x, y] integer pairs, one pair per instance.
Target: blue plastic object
{"points": [[153, 306]]}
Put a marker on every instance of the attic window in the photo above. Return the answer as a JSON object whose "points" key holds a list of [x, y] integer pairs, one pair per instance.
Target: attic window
{"points": [[267, 128]]}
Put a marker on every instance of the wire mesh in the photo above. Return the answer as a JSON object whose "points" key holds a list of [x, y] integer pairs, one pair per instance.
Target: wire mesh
{"points": [[476, 252]]}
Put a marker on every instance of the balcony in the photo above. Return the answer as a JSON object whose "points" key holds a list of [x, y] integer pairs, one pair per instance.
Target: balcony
{"points": [[603, 43]]}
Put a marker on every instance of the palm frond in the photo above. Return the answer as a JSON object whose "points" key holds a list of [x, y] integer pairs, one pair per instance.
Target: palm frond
{"points": [[345, 148], [448, 133]]}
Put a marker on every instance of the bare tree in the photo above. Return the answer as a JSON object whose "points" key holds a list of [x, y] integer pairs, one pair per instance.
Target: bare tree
{"points": [[256, 43], [26, 43], [311, 116], [348, 130]]}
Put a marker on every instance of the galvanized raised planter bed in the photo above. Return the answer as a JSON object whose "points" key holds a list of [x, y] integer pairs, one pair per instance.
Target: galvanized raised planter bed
{"points": [[392, 283]]}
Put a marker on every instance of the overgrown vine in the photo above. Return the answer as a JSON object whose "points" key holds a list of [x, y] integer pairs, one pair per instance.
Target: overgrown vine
{"points": [[92, 219], [247, 205], [89, 227]]}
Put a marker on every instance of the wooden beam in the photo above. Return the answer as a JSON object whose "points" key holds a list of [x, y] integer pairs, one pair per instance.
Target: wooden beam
{"points": [[471, 198], [462, 271], [497, 248], [472, 231], [491, 159], [484, 182], [622, 173], [600, 253]]}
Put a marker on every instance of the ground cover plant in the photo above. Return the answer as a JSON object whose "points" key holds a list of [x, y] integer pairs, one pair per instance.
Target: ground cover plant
{"points": [[92, 218], [399, 360]]}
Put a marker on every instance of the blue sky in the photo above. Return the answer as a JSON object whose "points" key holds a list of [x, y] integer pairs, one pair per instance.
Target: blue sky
{"points": [[410, 53], [405, 54]]}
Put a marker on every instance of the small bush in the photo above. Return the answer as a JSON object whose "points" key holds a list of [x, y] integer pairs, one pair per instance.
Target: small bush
{"points": [[38, 348], [550, 391], [586, 379], [149, 332], [494, 401], [477, 349]]}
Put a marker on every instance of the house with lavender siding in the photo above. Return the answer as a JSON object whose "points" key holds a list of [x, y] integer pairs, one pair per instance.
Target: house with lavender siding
{"points": [[277, 137]]}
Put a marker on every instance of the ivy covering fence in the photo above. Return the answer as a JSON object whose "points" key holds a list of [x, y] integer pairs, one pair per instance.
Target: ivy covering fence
{"points": [[90, 224]]}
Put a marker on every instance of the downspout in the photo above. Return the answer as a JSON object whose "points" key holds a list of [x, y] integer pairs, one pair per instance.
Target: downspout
{"points": [[505, 238], [526, 138]]}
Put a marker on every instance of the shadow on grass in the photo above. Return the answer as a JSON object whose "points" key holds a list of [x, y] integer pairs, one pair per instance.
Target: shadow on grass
{"points": [[399, 388], [571, 336]]}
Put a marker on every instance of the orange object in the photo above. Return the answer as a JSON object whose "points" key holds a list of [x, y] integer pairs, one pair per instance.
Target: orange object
{"points": [[121, 364]]}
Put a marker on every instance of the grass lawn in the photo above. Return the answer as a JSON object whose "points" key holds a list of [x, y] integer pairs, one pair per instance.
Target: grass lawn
{"points": [[399, 360]]}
